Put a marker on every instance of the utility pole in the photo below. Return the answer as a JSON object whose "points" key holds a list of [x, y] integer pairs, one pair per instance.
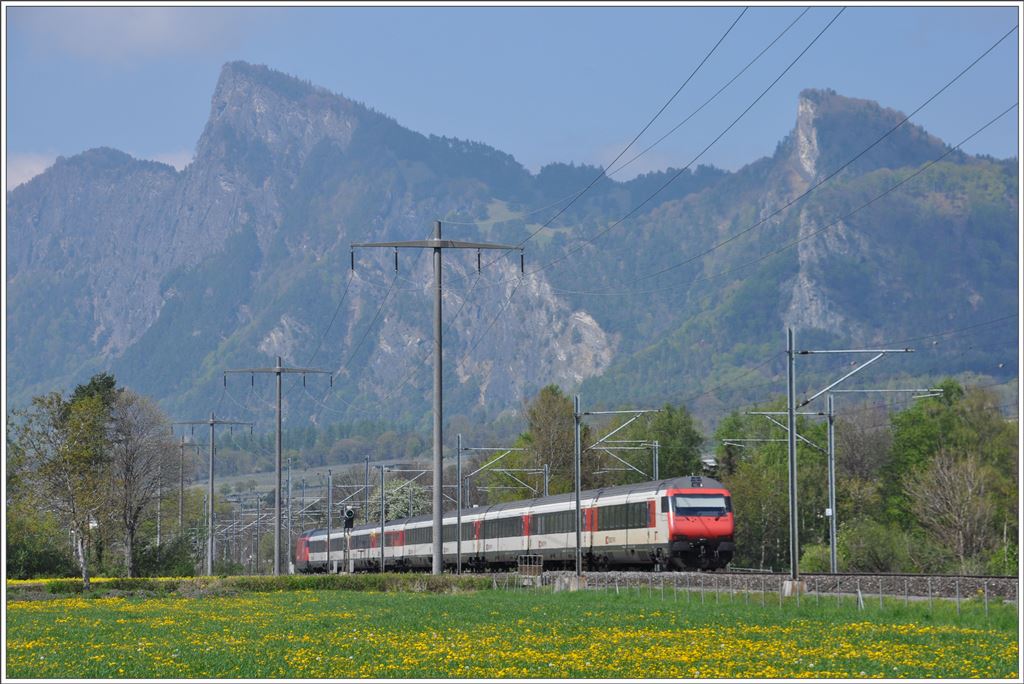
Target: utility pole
{"points": [[330, 505], [833, 556], [577, 457], [437, 245], [382, 471], [181, 487], [794, 546], [654, 455], [289, 499], [366, 491], [278, 370], [791, 353], [213, 422], [256, 545], [458, 507]]}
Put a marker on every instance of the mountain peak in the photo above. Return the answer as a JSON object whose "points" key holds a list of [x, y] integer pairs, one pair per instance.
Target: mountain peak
{"points": [[831, 129], [238, 74], [267, 112]]}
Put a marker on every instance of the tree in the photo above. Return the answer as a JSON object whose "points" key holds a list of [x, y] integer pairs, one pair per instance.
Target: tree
{"points": [[950, 500], [403, 498], [142, 459], [549, 440], [65, 450]]}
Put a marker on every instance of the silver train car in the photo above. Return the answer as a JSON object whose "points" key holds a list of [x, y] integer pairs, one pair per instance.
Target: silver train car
{"points": [[677, 523]]}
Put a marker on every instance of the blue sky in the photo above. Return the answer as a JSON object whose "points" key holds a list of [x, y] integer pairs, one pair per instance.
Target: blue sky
{"points": [[545, 84]]}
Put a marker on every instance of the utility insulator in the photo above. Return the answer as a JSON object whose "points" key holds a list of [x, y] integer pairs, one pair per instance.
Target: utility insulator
{"points": [[396, 260], [352, 256], [478, 261], [522, 263]]}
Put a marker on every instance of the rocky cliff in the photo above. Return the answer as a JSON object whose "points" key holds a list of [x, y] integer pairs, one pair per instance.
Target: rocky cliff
{"points": [[167, 278]]}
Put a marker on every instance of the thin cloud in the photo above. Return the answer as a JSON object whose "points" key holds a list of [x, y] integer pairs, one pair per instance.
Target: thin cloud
{"points": [[116, 33], [22, 168]]}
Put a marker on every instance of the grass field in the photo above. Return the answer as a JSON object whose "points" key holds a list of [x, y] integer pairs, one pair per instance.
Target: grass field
{"points": [[501, 634]]}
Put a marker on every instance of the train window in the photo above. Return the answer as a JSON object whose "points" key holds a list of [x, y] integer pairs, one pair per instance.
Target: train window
{"points": [[702, 504], [664, 504]]}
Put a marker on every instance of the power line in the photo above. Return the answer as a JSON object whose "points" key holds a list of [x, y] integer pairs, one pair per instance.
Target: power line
{"points": [[604, 170], [607, 173], [717, 93], [840, 169], [798, 240], [590, 240]]}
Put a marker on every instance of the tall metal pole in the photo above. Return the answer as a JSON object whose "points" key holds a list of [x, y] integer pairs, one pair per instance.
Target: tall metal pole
{"points": [[547, 474], [209, 500], [181, 487], [278, 509], [366, 491], [330, 505], [577, 456], [832, 485], [256, 546], [289, 500], [382, 518], [794, 546], [436, 244], [277, 478], [654, 449], [438, 560], [458, 508]]}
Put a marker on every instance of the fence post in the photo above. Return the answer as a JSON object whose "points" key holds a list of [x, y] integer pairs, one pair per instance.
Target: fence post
{"points": [[929, 593], [906, 592], [958, 596], [986, 598], [879, 593], [762, 591]]}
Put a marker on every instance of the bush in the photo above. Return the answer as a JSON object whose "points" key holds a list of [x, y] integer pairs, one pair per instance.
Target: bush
{"points": [[816, 558], [394, 582], [65, 586]]}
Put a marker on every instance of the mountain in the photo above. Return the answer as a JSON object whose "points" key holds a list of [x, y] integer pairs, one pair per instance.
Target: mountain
{"points": [[167, 278]]}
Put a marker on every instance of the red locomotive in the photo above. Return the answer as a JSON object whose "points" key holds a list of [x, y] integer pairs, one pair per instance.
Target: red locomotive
{"points": [[667, 524]]}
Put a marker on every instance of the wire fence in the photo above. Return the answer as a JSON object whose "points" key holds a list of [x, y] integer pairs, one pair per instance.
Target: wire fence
{"points": [[865, 592]]}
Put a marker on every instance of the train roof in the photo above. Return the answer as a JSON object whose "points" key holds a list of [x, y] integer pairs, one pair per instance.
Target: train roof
{"points": [[687, 482]]}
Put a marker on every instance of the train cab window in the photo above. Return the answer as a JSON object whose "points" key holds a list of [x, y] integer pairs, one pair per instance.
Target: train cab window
{"points": [[664, 504], [702, 504]]}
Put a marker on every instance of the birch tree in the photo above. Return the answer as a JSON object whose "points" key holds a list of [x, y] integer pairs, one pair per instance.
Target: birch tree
{"points": [[64, 445], [142, 455]]}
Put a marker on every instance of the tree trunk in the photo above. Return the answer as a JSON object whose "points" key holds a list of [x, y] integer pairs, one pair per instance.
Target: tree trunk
{"points": [[83, 561], [129, 548]]}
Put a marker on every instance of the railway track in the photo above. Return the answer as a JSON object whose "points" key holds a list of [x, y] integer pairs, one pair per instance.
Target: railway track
{"points": [[868, 584]]}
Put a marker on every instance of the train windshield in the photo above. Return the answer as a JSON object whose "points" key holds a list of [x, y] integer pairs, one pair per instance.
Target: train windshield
{"points": [[702, 504]]}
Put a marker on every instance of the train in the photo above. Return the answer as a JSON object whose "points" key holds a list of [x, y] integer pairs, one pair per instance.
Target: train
{"points": [[673, 524]]}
